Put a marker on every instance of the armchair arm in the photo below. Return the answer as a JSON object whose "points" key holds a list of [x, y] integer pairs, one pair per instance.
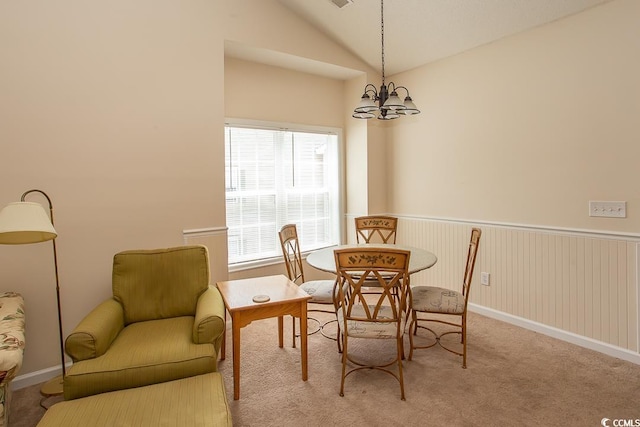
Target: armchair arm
{"points": [[95, 333], [209, 322]]}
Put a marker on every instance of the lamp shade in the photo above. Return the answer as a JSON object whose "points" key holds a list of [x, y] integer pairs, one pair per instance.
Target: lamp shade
{"points": [[25, 222], [393, 103], [410, 107], [366, 105]]}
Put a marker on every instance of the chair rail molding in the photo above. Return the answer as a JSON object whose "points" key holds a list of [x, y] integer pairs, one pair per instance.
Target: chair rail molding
{"points": [[204, 232]]}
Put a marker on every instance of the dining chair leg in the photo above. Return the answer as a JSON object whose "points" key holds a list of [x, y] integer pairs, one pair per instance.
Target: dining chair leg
{"points": [[400, 357], [464, 341], [344, 365], [413, 325]]}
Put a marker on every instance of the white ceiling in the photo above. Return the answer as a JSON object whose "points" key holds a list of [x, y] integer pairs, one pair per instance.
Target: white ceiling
{"points": [[416, 32]]}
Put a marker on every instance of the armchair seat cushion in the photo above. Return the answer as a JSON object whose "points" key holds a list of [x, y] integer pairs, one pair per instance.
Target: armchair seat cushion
{"points": [[143, 353]]}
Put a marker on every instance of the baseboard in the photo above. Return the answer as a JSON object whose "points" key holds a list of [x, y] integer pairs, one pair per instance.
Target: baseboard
{"points": [[608, 349], [37, 377]]}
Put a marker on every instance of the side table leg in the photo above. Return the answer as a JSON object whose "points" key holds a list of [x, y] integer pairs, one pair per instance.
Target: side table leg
{"points": [[280, 330], [235, 323], [303, 338]]}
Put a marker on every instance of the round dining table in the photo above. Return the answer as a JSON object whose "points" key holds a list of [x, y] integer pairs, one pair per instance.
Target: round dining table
{"points": [[324, 260]]}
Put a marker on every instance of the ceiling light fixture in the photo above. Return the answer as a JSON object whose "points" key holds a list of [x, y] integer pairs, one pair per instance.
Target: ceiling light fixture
{"points": [[342, 3], [389, 105]]}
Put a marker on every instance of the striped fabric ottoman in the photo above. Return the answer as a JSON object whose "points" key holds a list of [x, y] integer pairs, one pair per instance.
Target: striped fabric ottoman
{"points": [[193, 401]]}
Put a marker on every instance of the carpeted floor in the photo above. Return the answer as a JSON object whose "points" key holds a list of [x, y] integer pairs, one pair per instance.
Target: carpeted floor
{"points": [[515, 377]]}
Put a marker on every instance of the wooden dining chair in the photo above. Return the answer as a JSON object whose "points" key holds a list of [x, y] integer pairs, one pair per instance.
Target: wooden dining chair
{"points": [[321, 291], [376, 229], [371, 316], [439, 305]]}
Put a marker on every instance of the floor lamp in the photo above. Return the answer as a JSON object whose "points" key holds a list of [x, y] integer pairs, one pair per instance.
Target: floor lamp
{"points": [[27, 222]]}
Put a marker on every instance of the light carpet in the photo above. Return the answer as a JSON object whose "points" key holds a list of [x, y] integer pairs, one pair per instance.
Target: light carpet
{"points": [[515, 377]]}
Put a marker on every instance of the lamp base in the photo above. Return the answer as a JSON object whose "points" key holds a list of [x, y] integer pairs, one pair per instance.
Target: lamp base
{"points": [[53, 387]]}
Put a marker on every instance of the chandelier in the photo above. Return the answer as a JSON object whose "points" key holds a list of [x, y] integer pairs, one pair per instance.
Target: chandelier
{"points": [[387, 104]]}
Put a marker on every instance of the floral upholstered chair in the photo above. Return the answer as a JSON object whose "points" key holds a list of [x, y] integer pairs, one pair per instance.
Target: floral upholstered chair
{"points": [[11, 346]]}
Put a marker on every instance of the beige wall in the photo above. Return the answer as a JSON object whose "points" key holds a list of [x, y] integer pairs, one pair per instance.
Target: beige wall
{"points": [[112, 109], [261, 92], [527, 129], [116, 110]]}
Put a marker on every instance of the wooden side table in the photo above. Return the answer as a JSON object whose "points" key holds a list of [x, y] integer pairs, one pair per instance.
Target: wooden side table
{"points": [[283, 297]]}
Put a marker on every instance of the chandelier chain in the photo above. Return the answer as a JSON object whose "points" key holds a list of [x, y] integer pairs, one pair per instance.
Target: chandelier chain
{"points": [[385, 101], [382, 34]]}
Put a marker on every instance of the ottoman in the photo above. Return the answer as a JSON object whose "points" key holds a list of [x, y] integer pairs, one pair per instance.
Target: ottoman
{"points": [[193, 401]]}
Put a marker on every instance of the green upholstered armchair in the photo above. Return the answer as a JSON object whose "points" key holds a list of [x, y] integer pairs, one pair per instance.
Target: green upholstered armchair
{"points": [[164, 322]]}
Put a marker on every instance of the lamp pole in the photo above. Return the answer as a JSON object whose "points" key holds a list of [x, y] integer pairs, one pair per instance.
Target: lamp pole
{"points": [[55, 262]]}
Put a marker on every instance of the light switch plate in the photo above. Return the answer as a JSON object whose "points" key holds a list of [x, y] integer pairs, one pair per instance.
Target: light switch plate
{"points": [[484, 278], [608, 209]]}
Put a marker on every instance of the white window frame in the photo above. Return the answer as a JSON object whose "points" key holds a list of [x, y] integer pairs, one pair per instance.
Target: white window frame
{"points": [[294, 127]]}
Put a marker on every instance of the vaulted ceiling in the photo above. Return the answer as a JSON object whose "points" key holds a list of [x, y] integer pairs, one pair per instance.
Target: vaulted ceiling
{"points": [[417, 32]]}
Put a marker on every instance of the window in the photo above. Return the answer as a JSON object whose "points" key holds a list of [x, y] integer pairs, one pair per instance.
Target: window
{"points": [[275, 177]]}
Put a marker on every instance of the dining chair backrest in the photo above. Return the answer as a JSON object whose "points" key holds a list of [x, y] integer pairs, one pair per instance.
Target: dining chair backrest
{"points": [[471, 262], [357, 267], [376, 229], [291, 252]]}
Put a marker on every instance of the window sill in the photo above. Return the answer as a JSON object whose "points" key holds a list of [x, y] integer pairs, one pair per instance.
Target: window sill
{"points": [[258, 263]]}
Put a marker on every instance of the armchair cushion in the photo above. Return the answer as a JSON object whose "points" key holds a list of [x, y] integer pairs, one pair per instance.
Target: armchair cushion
{"points": [[172, 279], [143, 353]]}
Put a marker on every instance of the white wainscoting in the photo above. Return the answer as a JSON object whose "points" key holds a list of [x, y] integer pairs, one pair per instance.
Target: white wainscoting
{"points": [[576, 285]]}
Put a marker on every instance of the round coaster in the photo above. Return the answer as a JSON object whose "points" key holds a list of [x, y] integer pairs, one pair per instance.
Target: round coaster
{"points": [[261, 298]]}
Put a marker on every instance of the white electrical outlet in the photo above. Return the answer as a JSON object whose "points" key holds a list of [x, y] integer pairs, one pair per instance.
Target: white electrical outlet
{"points": [[608, 209], [484, 278]]}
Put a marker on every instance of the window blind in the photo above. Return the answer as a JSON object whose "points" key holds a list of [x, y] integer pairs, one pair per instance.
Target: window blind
{"points": [[275, 177]]}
